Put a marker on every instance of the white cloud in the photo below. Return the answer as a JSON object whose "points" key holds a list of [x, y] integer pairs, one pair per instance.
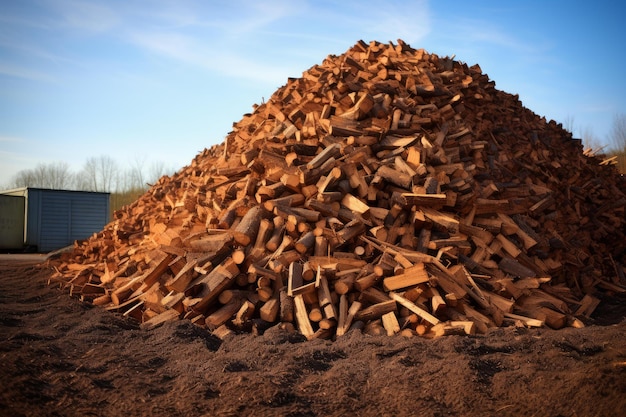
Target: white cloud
{"points": [[260, 15], [247, 39], [23, 72], [475, 35], [190, 50], [11, 139], [29, 50], [237, 38], [87, 16], [409, 22], [170, 44]]}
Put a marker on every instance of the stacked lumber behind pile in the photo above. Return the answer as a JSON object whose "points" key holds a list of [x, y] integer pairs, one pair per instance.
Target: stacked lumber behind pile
{"points": [[387, 189]]}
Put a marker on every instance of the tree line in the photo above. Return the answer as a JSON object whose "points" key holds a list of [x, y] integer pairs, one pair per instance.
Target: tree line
{"points": [[101, 174]]}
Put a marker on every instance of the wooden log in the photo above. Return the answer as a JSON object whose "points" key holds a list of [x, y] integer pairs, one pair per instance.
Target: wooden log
{"points": [[344, 284], [210, 242], [295, 283], [336, 263], [409, 200], [452, 328], [270, 309], [485, 236], [315, 313], [325, 297], [268, 192], [449, 282], [377, 310], [223, 314], [223, 332], [302, 317], [138, 285], [360, 109], [482, 322], [308, 215], [527, 321], [514, 268], [102, 300], [343, 127], [437, 302], [346, 315], [244, 314], [411, 276], [509, 246], [291, 200], [276, 238], [356, 180], [310, 176], [258, 272], [305, 243], [167, 315], [214, 283], [308, 272], [448, 223], [414, 308], [390, 323], [369, 280], [263, 235], [227, 295], [354, 204], [264, 290], [329, 181], [246, 231], [332, 151], [395, 177], [286, 306], [587, 306]]}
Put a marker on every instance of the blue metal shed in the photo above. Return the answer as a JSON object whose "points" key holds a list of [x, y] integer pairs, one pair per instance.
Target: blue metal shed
{"points": [[54, 219]]}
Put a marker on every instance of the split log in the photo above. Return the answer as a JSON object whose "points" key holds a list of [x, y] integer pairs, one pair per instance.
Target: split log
{"points": [[302, 317]]}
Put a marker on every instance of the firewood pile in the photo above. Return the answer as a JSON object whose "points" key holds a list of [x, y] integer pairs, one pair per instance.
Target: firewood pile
{"points": [[387, 190]]}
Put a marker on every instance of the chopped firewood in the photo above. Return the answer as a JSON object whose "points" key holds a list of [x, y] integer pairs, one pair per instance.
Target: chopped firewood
{"points": [[411, 276], [390, 323], [414, 308], [302, 317], [386, 190]]}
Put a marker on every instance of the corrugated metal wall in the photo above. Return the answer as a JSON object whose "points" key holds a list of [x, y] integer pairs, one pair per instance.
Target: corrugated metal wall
{"points": [[66, 216], [56, 218]]}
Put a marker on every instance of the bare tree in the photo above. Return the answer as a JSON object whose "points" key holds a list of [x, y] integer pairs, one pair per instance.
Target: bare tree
{"points": [[60, 176], [136, 174], [618, 140], [99, 174], [618, 132], [140, 175], [24, 178], [568, 123], [591, 141], [56, 175], [157, 170]]}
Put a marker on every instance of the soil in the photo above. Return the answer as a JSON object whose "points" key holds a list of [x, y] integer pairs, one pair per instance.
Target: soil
{"points": [[62, 357]]}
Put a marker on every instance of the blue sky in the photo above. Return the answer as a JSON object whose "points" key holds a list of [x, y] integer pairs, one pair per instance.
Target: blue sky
{"points": [[162, 80]]}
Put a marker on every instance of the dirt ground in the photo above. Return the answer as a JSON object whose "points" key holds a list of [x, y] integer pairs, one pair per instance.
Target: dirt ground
{"points": [[60, 357]]}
